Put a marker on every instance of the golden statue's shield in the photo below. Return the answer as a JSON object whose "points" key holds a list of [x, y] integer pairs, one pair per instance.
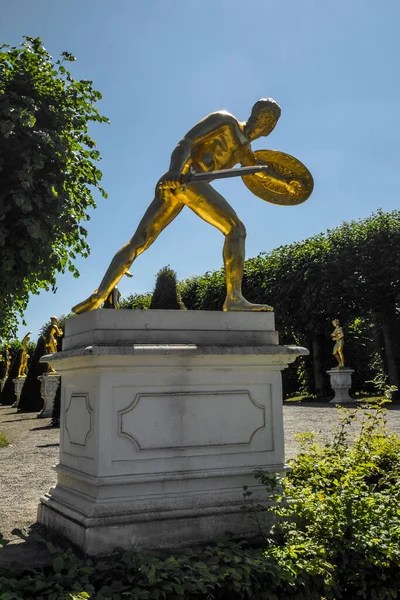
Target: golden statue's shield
{"points": [[262, 185]]}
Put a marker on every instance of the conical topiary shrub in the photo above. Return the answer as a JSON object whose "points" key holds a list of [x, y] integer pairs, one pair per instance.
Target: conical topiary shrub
{"points": [[55, 417], [31, 399], [166, 295], [2, 365], [8, 396]]}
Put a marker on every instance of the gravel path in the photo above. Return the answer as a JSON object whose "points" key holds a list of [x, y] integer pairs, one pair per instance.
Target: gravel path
{"points": [[320, 419], [26, 465]]}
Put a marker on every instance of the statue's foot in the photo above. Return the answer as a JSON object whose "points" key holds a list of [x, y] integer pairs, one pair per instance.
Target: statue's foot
{"points": [[91, 303], [240, 304]]}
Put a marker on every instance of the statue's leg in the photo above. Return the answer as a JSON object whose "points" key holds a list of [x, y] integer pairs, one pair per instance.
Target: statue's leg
{"points": [[341, 355], [159, 214], [336, 354], [208, 204]]}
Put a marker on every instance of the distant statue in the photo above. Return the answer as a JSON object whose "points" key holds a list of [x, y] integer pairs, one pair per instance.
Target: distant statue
{"points": [[23, 365], [112, 300], [6, 360], [338, 336], [208, 152], [51, 342]]}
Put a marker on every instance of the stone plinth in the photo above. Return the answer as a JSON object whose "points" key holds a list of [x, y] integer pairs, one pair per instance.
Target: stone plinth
{"points": [[158, 439], [203, 328], [341, 383], [48, 388], [18, 385]]}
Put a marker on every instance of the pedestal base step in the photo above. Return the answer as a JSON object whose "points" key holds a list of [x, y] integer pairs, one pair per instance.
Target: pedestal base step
{"points": [[155, 530]]}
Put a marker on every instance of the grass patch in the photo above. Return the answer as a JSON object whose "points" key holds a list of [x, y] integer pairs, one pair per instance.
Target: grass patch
{"points": [[302, 398], [3, 440], [358, 397]]}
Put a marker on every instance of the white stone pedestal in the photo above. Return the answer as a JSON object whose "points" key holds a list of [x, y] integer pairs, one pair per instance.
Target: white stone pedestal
{"points": [[48, 388], [165, 416], [18, 385], [341, 383]]}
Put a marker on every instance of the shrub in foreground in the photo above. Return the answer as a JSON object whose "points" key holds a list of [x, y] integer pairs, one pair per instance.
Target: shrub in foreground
{"points": [[340, 509]]}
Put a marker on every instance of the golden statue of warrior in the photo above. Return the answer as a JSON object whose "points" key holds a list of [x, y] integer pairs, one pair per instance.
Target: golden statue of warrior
{"points": [[338, 336], [209, 151], [23, 365], [51, 342]]}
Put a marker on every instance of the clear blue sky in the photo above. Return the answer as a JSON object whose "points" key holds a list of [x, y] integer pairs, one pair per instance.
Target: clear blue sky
{"points": [[162, 65]]}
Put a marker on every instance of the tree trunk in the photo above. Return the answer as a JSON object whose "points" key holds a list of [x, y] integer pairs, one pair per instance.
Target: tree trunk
{"points": [[393, 371], [317, 367]]}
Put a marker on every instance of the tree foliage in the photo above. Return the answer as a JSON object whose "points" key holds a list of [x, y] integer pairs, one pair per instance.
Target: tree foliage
{"points": [[136, 302], [47, 172], [351, 272]]}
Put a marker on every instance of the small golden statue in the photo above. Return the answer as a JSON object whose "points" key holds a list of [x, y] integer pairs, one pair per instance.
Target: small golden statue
{"points": [[23, 365], [338, 336], [207, 152], [6, 360], [51, 342]]}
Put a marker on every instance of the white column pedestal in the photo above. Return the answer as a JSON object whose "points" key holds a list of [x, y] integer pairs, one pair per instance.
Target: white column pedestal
{"points": [[341, 383], [18, 385], [48, 388], [158, 440]]}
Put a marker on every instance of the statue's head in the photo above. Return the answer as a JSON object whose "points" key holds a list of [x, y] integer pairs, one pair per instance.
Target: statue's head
{"points": [[53, 320], [335, 322], [264, 116]]}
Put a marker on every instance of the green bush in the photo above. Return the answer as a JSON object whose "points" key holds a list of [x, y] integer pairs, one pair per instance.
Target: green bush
{"points": [[338, 537], [3, 440], [340, 510], [136, 302], [31, 399]]}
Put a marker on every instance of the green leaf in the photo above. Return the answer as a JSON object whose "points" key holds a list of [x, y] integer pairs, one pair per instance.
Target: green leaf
{"points": [[51, 548], [58, 564]]}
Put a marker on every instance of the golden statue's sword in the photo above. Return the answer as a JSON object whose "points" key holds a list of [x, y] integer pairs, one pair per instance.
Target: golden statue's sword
{"points": [[225, 173]]}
